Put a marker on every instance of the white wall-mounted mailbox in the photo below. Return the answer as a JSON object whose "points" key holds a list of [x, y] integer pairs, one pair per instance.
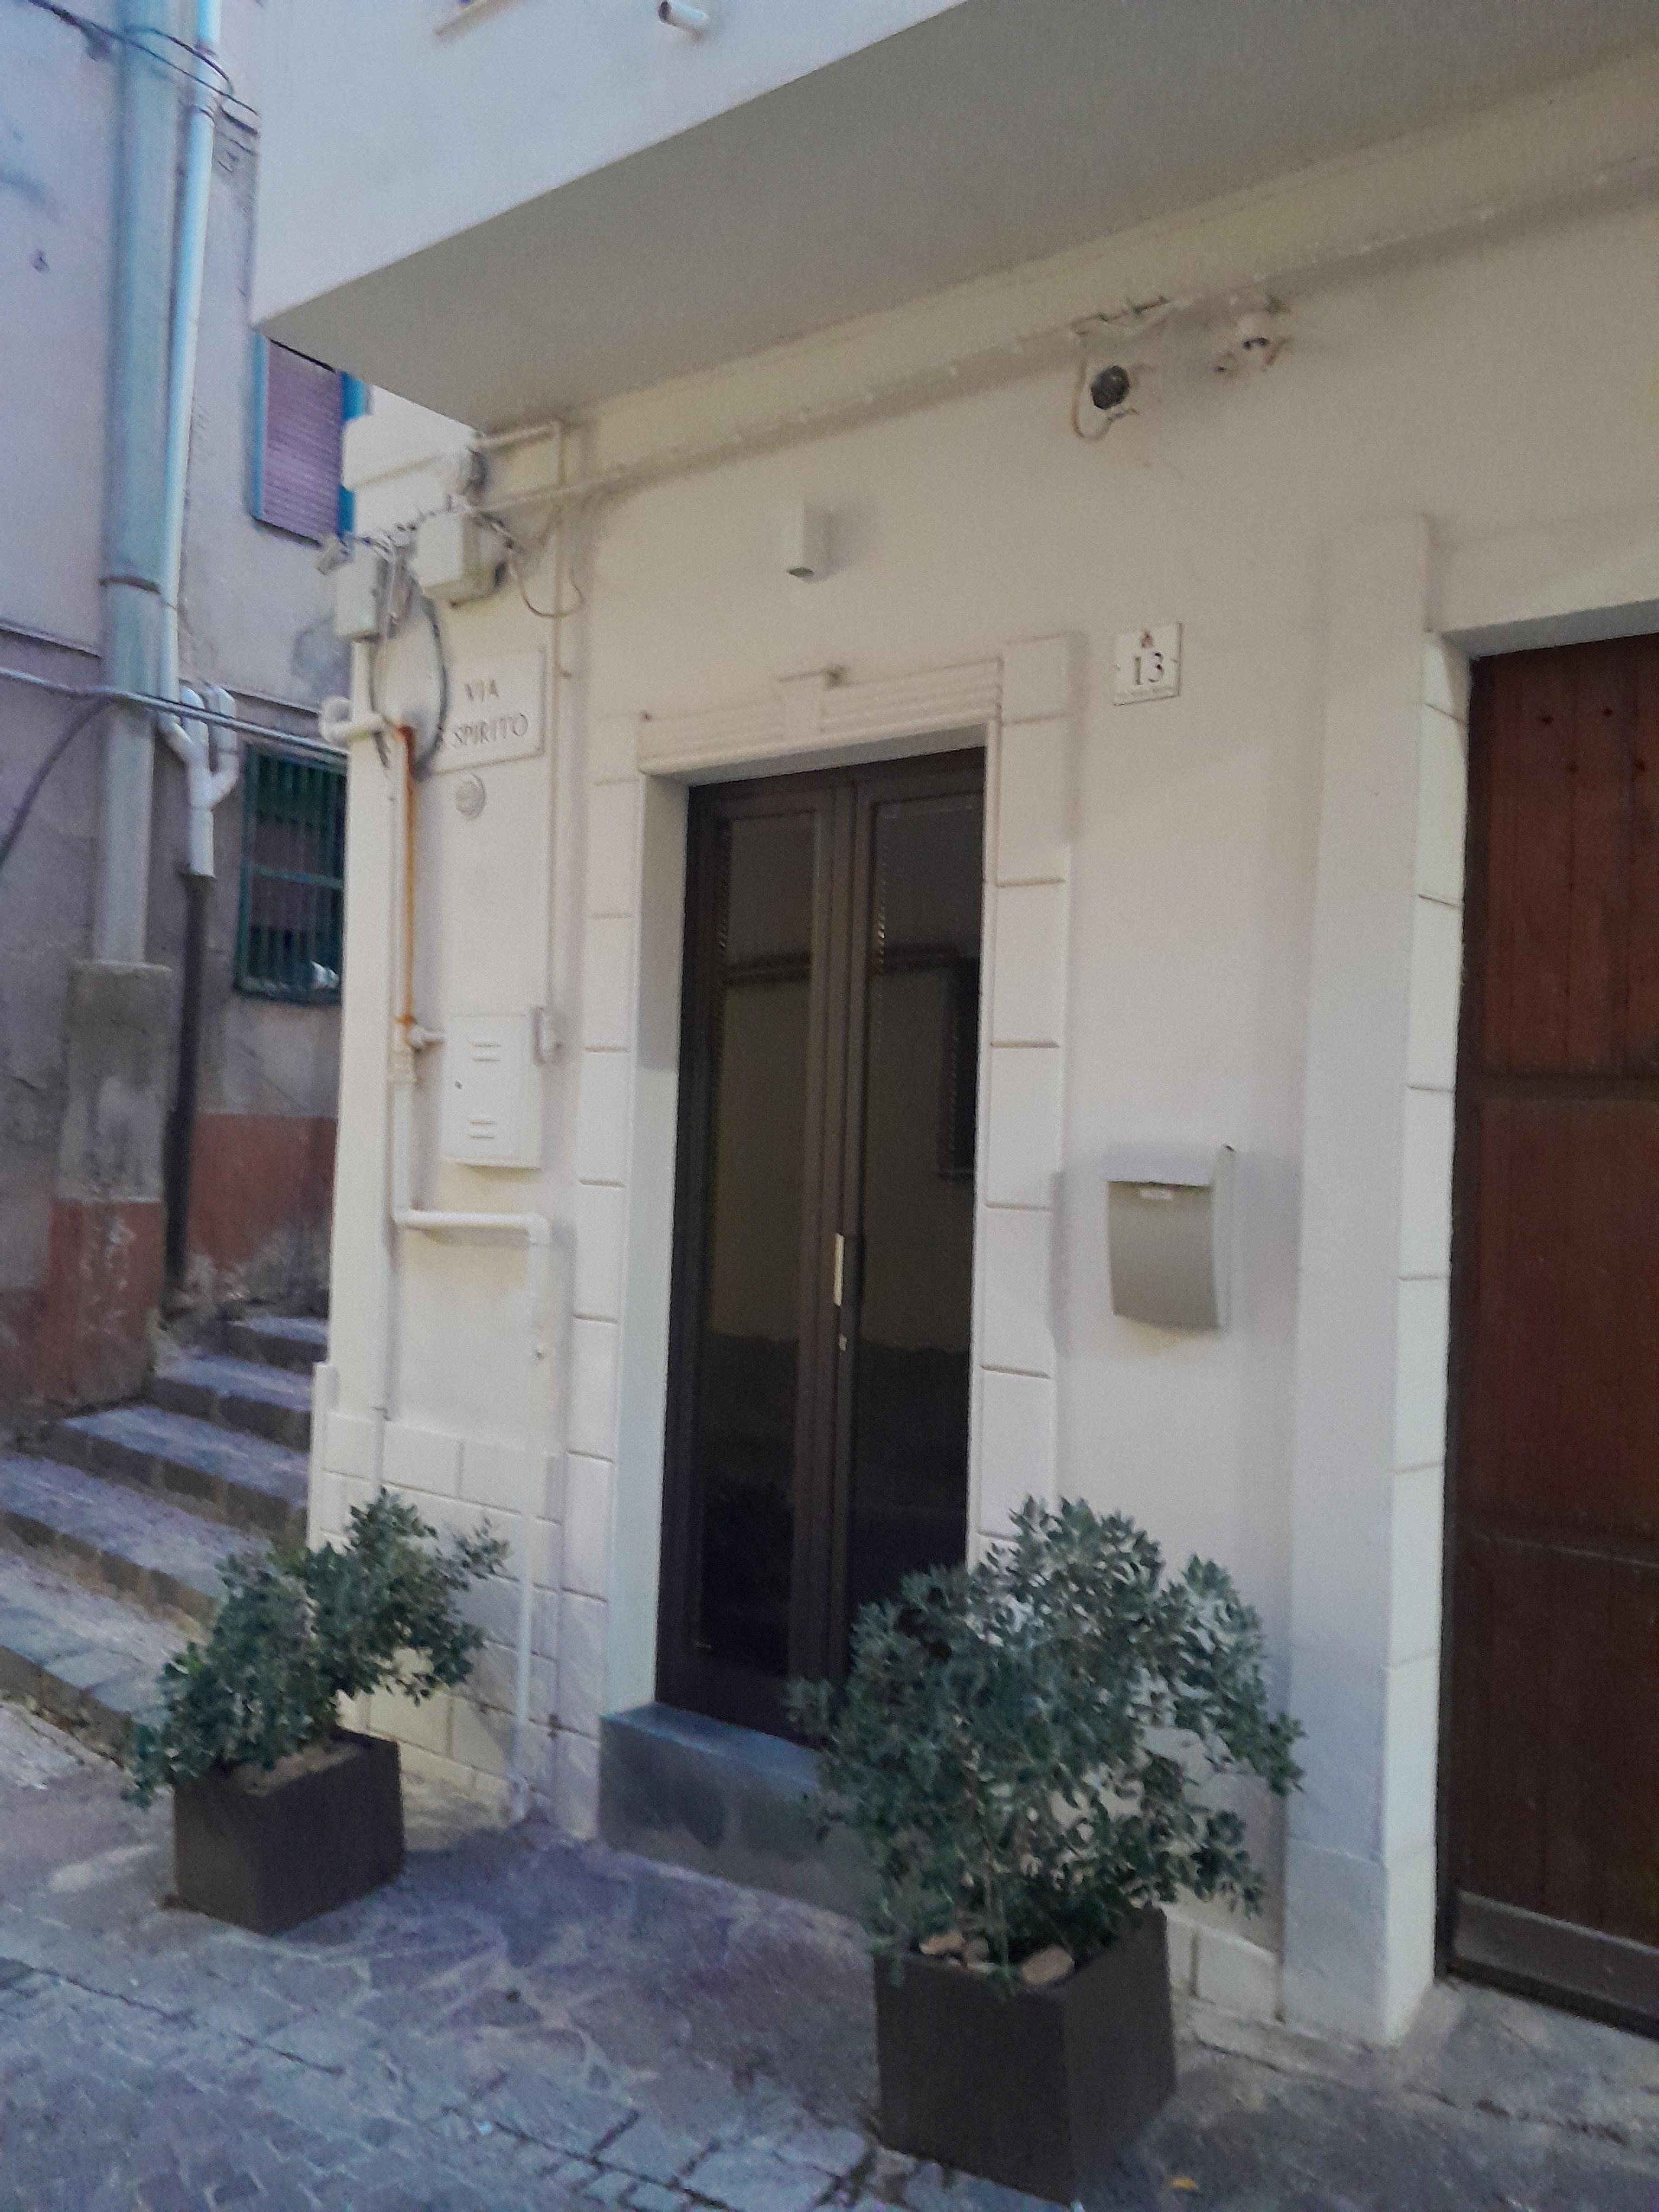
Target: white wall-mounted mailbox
{"points": [[1168, 1234], [492, 1094]]}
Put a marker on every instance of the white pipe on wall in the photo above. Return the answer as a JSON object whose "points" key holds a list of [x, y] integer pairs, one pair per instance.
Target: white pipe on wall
{"points": [[146, 186], [402, 1217], [207, 778]]}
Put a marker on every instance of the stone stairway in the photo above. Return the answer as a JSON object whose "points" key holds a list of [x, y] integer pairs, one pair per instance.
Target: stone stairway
{"points": [[112, 1530]]}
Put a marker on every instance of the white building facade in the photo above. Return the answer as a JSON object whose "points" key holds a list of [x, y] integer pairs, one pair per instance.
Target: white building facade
{"points": [[1390, 415]]}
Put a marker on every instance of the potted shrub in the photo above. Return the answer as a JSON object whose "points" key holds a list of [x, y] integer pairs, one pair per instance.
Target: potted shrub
{"points": [[278, 1812], [1022, 1747]]}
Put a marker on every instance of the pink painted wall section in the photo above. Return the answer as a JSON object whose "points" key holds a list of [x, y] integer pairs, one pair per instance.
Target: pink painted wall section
{"points": [[261, 1194]]}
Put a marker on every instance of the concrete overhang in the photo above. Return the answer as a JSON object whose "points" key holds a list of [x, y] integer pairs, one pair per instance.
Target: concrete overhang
{"points": [[989, 133]]}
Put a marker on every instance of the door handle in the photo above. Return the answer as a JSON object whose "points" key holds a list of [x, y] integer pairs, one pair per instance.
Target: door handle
{"points": [[841, 1265], [848, 1250]]}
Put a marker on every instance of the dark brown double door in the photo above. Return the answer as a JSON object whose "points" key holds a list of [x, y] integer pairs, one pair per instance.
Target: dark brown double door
{"points": [[819, 1363], [1553, 1778]]}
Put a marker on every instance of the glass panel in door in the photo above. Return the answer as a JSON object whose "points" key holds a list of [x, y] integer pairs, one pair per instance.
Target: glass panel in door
{"points": [[912, 1319], [747, 1354]]}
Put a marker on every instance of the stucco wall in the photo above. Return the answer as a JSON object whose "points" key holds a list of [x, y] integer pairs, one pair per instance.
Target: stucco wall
{"points": [[1494, 400], [255, 617]]}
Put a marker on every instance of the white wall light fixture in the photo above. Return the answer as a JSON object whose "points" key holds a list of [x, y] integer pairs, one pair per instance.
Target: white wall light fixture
{"points": [[682, 17], [803, 544]]}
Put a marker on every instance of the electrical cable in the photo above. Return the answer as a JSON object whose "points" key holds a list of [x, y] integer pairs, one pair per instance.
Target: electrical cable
{"points": [[578, 605], [90, 29], [419, 767], [76, 723], [399, 597], [112, 694]]}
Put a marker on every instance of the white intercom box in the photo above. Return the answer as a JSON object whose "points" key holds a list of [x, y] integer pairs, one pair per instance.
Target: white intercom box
{"points": [[1168, 1234], [492, 1095]]}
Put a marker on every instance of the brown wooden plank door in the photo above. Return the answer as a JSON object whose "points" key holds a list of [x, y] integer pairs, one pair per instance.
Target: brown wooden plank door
{"points": [[1551, 1847]]}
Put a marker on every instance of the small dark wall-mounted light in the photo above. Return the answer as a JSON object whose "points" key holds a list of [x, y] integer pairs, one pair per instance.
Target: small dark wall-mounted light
{"points": [[1108, 387]]}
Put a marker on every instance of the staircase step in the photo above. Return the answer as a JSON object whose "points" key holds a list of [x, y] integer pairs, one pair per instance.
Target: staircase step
{"points": [[110, 1537], [274, 1402], [240, 1481], [279, 1339], [80, 1656]]}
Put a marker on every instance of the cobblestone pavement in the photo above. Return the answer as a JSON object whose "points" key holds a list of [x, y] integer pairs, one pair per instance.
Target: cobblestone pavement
{"points": [[525, 2023]]}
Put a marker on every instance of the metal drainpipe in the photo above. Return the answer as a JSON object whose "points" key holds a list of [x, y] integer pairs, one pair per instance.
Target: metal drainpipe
{"points": [[146, 187], [211, 759], [179, 1152]]}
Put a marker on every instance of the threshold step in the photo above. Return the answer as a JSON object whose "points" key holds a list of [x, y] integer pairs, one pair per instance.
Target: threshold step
{"points": [[248, 1394], [80, 1656], [723, 1801], [119, 1540], [279, 1339], [240, 1481]]}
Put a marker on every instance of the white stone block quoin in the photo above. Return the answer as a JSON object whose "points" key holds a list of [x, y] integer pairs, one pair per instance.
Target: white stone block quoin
{"points": [[1426, 1184], [608, 983], [323, 1505], [576, 1783], [1016, 1445], [581, 1663], [1371, 1357], [493, 1683], [1420, 1378], [348, 1446], [613, 847], [1410, 1764], [1016, 1325], [1034, 803], [1437, 981], [1028, 965], [423, 1459], [594, 1349], [1025, 1102], [601, 1214], [1446, 678], [602, 1118], [507, 1477], [1416, 1566], [613, 748], [588, 1485], [1442, 807]]}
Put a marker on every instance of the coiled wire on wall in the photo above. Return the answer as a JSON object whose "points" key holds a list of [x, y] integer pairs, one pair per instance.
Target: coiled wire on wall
{"points": [[400, 599]]}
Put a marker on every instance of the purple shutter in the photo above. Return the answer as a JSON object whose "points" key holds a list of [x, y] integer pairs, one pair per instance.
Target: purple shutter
{"points": [[300, 476]]}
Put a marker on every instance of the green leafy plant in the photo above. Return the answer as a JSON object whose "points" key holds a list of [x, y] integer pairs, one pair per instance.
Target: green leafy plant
{"points": [[1022, 1746], [299, 1630]]}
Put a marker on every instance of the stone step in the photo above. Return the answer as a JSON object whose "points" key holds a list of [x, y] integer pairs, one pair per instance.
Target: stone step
{"points": [[279, 1339], [273, 1402], [82, 1656], [110, 1537], [240, 1481]]}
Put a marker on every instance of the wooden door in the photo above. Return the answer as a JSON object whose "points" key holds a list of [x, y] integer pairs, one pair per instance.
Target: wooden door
{"points": [[1552, 1782], [819, 1361]]}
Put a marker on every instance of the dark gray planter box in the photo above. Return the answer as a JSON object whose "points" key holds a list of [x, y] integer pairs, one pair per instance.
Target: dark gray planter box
{"points": [[266, 1851], [1039, 2090]]}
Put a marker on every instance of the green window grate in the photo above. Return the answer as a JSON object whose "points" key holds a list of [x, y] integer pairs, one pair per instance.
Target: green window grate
{"points": [[290, 934]]}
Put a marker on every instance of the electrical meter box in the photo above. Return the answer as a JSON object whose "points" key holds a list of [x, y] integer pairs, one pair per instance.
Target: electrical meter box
{"points": [[358, 583], [456, 558], [1168, 1234], [492, 1096]]}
